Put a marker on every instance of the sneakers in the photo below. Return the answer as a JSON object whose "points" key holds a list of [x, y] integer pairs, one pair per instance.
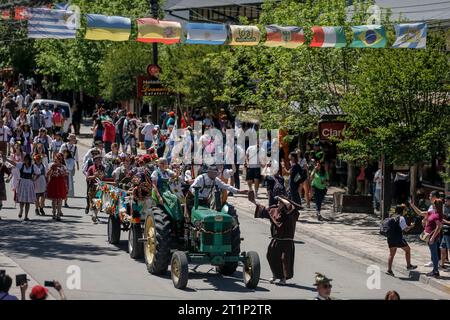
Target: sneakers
{"points": [[41, 210], [272, 280], [411, 267], [390, 273], [36, 211], [282, 282], [429, 264]]}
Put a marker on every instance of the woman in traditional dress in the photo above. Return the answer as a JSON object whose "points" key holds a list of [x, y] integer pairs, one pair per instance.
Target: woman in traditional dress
{"points": [[25, 193], [70, 165], [27, 138], [17, 155], [57, 184], [40, 185]]}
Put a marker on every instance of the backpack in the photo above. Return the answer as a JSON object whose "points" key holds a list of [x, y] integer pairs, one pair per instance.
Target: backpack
{"points": [[390, 227]]}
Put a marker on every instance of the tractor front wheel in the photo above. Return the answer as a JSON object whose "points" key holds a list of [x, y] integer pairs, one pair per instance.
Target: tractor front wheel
{"points": [[252, 270], [135, 248], [157, 246], [113, 229], [179, 269]]}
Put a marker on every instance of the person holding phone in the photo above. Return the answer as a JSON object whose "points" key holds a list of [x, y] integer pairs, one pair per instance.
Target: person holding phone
{"points": [[5, 285], [41, 292]]}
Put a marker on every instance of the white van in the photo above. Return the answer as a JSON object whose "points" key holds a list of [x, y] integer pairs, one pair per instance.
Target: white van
{"points": [[63, 106]]}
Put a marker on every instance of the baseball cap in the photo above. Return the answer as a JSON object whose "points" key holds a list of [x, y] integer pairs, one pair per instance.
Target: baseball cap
{"points": [[39, 292]]}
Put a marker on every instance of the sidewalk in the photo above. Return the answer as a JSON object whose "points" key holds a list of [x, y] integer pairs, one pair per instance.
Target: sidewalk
{"points": [[12, 269], [358, 234]]}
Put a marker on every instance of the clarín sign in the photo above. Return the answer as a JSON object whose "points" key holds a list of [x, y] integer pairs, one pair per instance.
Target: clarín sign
{"points": [[332, 129]]}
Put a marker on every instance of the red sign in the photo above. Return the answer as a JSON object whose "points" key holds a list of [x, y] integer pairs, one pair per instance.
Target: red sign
{"points": [[153, 70], [20, 13], [332, 129], [149, 86]]}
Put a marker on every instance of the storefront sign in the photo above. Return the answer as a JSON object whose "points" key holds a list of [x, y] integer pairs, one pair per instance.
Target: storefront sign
{"points": [[149, 86], [332, 129]]}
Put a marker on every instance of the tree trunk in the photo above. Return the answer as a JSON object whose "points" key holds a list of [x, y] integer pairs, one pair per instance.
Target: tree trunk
{"points": [[351, 177], [413, 181]]}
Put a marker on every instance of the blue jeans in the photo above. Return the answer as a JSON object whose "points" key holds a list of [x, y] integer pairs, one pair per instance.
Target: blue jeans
{"points": [[319, 196], [434, 255]]}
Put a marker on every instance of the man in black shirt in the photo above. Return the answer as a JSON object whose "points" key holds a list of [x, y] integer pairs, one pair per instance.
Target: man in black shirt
{"points": [[445, 242]]}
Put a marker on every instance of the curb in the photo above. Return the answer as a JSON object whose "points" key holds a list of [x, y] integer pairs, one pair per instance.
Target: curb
{"points": [[362, 254]]}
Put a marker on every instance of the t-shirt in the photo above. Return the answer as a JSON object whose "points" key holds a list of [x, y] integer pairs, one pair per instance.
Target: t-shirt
{"points": [[7, 297], [377, 178], [47, 118], [432, 220], [252, 156], [147, 131], [319, 181], [4, 133]]}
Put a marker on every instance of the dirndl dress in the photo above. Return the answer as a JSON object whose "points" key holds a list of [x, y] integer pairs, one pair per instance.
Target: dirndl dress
{"points": [[25, 189], [57, 185], [40, 185]]}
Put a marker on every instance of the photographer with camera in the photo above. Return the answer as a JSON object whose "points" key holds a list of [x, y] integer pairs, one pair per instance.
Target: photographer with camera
{"points": [[5, 286]]}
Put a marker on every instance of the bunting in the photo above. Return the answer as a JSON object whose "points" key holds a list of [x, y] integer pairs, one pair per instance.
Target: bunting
{"points": [[244, 35], [411, 35], [205, 33], [369, 36], [152, 30], [289, 37], [113, 28]]}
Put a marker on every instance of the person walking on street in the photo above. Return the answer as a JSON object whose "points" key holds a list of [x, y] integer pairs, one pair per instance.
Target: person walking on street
{"points": [[26, 194], [281, 251], [445, 241], [71, 145], [147, 131], [109, 134], [45, 140], [58, 120], [40, 185], [70, 166], [296, 177], [378, 179], [56, 144], [5, 170], [253, 166], [129, 128], [396, 226], [57, 184], [433, 222], [48, 118], [36, 121], [95, 171], [5, 133], [323, 285], [119, 129], [319, 184]]}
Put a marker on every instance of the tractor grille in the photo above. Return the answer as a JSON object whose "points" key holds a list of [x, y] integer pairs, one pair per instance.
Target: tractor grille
{"points": [[220, 239]]}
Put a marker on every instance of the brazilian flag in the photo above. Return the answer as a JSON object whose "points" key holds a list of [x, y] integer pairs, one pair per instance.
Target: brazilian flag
{"points": [[369, 36]]}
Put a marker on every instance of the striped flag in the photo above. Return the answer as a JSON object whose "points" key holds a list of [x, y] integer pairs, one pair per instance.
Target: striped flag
{"points": [[205, 33], [113, 28], [328, 37], [51, 24], [289, 37], [411, 35], [369, 36], [152, 30], [244, 35]]}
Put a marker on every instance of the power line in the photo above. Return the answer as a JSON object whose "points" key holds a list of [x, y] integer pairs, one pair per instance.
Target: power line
{"points": [[419, 5]]}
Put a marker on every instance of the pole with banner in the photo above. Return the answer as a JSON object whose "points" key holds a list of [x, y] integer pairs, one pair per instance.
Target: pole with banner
{"points": [[154, 6]]}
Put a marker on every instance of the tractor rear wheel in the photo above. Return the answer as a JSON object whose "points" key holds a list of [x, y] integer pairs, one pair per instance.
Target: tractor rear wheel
{"points": [[157, 246], [252, 270], [179, 268], [113, 229], [135, 248], [229, 268]]}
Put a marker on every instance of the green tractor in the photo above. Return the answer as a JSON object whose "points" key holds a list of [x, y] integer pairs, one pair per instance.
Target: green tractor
{"points": [[205, 236]]}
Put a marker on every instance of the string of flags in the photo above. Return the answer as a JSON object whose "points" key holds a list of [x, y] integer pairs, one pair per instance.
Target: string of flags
{"points": [[46, 23]]}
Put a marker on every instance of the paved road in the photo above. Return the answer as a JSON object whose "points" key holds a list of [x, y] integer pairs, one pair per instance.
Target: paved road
{"points": [[45, 249]]}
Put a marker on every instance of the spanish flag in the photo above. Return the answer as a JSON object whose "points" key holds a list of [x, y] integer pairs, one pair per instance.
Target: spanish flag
{"points": [[100, 27], [152, 30]]}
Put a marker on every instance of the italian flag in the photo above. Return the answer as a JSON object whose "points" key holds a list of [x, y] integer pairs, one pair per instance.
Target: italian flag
{"points": [[328, 37]]}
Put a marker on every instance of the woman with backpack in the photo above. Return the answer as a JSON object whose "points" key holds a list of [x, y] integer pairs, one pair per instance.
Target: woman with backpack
{"points": [[394, 227]]}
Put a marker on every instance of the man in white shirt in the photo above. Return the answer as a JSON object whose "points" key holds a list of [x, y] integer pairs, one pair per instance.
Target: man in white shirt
{"points": [[19, 99], [48, 115], [207, 182], [5, 132], [148, 134], [253, 168], [72, 147], [378, 179]]}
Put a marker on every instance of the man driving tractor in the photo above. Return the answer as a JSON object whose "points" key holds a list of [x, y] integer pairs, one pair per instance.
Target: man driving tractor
{"points": [[206, 183]]}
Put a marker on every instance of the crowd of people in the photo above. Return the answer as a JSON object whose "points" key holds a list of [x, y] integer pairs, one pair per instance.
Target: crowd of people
{"points": [[36, 156]]}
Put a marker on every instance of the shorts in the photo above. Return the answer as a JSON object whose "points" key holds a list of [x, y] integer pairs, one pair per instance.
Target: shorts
{"points": [[397, 243], [253, 174], [445, 242]]}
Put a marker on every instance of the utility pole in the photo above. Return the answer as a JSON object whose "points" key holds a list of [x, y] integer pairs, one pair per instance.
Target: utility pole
{"points": [[154, 7]]}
